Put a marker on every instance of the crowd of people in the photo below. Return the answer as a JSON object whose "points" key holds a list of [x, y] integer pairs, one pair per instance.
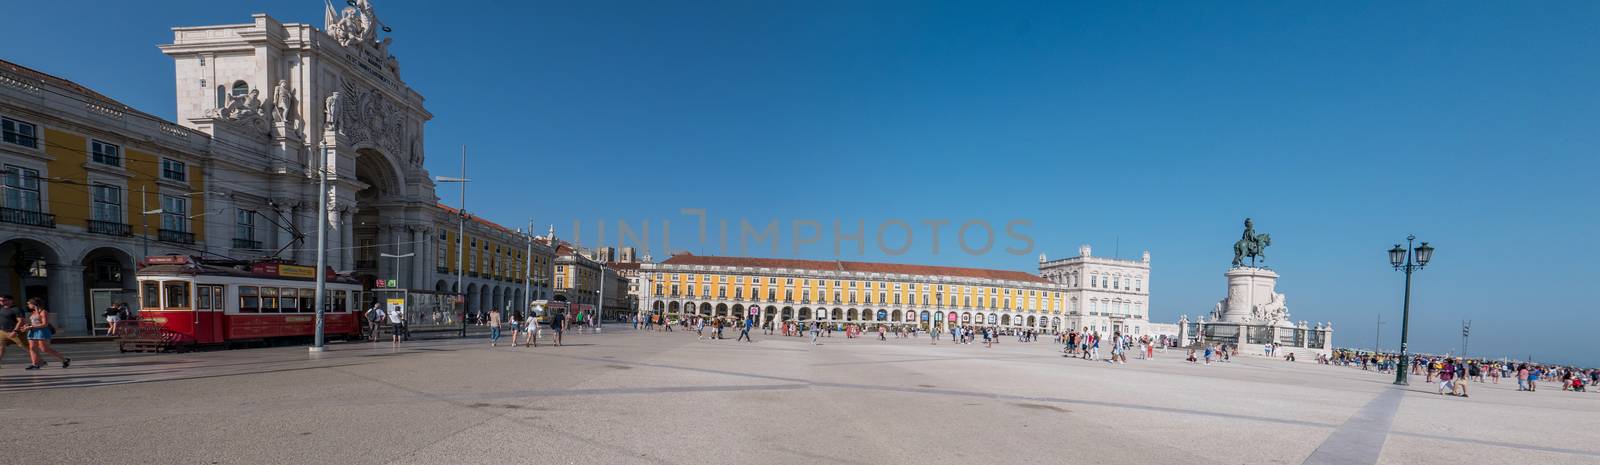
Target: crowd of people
{"points": [[712, 327], [1454, 374], [1084, 344]]}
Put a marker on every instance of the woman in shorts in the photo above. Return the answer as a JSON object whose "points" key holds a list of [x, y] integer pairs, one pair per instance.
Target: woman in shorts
{"points": [[39, 334], [516, 326]]}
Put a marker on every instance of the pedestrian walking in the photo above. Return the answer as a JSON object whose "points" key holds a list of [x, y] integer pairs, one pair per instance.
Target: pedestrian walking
{"points": [[816, 330], [516, 326], [494, 327], [535, 326], [11, 324], [40, 330], [375, 317], [558, 325], [744, 331]]}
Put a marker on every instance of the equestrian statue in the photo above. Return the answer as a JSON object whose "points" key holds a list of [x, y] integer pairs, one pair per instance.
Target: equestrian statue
{"points": [[1251, 245]]}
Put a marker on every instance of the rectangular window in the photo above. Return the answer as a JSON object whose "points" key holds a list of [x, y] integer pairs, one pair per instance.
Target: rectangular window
{"points": [[288, 300], [107, 203], [244, 225], [150, 293], [249, 302], [308, 301], [104, 153], [174, 170], [22, 188], [269, 300], [174, 213], [20, 133], [202, 297], [177, 294]]}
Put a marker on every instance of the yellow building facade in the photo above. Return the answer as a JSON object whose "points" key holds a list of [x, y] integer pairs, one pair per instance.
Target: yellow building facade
{"points": [[88, 185], [774, 290]]}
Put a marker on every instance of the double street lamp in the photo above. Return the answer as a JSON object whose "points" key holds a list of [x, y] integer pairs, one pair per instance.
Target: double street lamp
{"points": [[1409, 258]]}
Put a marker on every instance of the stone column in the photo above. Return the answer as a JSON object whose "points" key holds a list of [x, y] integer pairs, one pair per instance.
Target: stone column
{"points": [[419, 263], [67, 299]]}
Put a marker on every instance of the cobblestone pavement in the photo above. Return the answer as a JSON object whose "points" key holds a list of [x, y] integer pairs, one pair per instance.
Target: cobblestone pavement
{"points": [[626, 396]]}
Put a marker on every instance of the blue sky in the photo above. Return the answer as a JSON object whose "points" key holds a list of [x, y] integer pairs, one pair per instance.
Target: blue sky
{"points": [[1339, 127]]}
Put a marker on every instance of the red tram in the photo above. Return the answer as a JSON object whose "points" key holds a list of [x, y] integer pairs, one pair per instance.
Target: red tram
{"points": [[198, 302]]}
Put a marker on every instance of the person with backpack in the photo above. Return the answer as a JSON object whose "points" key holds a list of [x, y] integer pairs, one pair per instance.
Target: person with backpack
{"points": [[375, 316]]}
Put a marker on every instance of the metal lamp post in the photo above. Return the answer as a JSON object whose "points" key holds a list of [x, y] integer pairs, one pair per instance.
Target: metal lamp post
{"points": [[317, 343], [461, 231], [397, 264], [1409, 258]]}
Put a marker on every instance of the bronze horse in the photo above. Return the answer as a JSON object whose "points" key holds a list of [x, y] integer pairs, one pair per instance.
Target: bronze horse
{"points": [[1254, 249]]}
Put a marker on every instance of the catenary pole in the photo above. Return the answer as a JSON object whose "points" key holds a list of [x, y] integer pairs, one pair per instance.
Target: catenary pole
{"points": [[322, 245]]}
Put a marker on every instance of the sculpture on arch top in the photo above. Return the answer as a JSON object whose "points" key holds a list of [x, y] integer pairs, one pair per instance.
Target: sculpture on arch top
{"points": [[355, 24]]}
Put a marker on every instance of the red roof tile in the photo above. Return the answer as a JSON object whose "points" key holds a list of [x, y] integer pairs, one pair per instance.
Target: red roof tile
{"points": [[859, 267], [479, 220]]}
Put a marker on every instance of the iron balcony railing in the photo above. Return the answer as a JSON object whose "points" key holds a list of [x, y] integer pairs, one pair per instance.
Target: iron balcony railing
{"points": [[246, 244], [366, 264], [178, 237], [110, 228], [27, 217]]}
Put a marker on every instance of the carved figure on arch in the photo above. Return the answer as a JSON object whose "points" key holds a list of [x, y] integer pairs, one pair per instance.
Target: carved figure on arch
{"points": [[330, 112]]}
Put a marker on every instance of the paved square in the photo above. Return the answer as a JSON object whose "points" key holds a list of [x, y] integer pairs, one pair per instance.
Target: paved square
{"points": [[640, 397]]}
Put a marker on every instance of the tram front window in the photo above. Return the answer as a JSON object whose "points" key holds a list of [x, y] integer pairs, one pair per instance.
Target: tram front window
{"points": [[150, 293]]}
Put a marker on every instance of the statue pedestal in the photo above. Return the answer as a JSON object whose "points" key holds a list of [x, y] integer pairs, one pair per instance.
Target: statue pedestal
{"points": [[1254, 315], [1252, 297]]}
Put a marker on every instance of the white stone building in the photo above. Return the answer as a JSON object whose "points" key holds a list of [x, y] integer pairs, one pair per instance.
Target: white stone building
{"points": [[1103, 294]]}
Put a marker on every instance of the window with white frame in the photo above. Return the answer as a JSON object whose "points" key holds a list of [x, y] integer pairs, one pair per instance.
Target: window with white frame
{"points": [[105, 153], [22, 188], [107, 203], [19, 133], [444, 247], [174, 170], [174, 213]]}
